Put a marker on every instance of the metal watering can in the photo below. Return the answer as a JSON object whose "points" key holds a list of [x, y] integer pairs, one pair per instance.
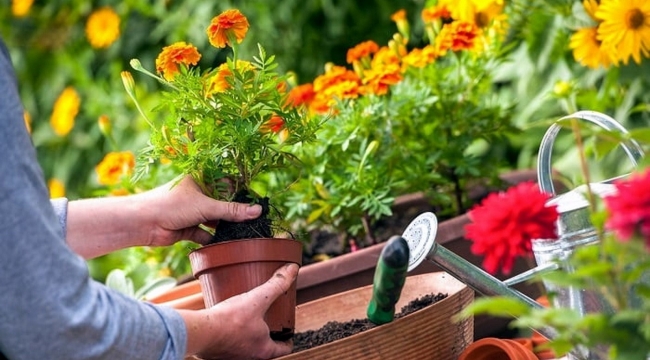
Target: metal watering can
{"points": [[574, 230]]}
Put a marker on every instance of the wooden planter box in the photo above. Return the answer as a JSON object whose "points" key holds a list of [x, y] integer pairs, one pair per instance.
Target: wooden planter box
{"points": [[429, 333]]}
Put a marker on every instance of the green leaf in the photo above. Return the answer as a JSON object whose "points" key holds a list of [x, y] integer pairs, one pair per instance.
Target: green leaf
{"points": [[118, 281], [496, 306], [155, 287]]}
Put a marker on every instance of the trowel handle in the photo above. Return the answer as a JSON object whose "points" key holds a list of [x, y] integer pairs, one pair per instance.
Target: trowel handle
{"points": [[390, 275], [631, 147]]}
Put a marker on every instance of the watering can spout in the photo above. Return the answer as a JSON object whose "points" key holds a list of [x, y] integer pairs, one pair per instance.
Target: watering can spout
{"points": [[420, 236]]}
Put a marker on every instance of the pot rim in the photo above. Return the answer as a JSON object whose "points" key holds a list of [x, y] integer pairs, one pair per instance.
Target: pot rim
{"points": [[245, 250]]}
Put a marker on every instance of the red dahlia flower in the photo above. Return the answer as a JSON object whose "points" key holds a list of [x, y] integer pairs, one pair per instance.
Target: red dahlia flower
{"points": [[504, 224], [629, 209]]}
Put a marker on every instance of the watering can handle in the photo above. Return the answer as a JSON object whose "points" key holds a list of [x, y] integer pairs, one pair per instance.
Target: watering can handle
{"points": [[631, 147]]}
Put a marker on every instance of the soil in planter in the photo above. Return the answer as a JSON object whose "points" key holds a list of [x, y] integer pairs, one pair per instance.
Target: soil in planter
{"points": [[335, 330]]}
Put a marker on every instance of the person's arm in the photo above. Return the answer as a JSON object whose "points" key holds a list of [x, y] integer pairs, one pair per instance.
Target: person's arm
{"points": [[158, 217], [49, 305]]}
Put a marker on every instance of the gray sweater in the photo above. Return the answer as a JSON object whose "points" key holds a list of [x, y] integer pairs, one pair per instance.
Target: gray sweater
{"points": [[50, 308]]}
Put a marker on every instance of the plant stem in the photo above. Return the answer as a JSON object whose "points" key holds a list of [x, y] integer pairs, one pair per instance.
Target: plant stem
{"points": [[365, 220]]}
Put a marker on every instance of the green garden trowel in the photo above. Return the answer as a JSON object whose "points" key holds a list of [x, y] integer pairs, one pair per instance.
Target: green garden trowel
{"points": [[390, 275]]}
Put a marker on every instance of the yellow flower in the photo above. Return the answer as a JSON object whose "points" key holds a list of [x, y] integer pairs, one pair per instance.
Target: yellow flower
{"points": [[28, 121], [227, 26], [171, 56], [591, 6], [114, 166], [625, 28], [20, 8], [103, 28], [478, 12], [587, 49], [65, 110], [57, 188]]}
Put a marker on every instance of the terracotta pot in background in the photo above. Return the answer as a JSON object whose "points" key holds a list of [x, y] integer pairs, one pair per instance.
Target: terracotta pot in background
{"points": [[234, 267], [498, 349]]}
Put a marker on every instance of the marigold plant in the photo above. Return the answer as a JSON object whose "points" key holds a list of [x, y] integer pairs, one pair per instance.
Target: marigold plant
{"points": [[402, 118], [224, 125]]}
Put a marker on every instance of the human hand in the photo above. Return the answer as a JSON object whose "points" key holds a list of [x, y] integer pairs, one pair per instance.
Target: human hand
{"points": [[182, 207], [235, 329]]}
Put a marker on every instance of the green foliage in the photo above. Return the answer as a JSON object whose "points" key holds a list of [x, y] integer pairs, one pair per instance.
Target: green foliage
{"points": [[225, 133], [118, 280], [417, 138]]}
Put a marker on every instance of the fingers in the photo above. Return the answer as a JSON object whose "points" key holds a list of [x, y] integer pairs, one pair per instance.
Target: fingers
{"points": [[277, 285], [281, 348]]}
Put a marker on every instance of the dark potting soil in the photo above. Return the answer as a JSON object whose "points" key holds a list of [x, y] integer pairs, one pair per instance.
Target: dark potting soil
{"points": [[335, 330], [260, 227]]}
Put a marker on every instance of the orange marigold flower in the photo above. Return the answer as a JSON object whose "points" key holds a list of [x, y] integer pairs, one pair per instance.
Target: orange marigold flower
{"points": [[420, 58], [227, 26], [218, 82], [379, 80], [302, 94], [20, 8], [362, 50], [320, 104], [179, 53], [436, 12], [385, 56], [274, 124], [114, 166], [343, 90], [333, 76], [56, 188], [65, 110], [103, 28], [457, 36]]}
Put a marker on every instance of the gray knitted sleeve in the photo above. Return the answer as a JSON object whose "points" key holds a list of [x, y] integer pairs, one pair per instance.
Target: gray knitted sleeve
{"points": [[49, 306]]}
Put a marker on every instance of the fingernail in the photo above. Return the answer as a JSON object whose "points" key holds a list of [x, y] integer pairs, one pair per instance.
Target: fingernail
{"points": [[254, 210]]}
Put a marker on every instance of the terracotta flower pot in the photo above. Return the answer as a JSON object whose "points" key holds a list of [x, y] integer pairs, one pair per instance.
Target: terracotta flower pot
{"points": [[185, 296], [498, 349], [231, 268], [429, 333]]}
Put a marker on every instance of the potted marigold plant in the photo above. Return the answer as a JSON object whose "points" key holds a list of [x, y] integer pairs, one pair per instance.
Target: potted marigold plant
{"points": [[225, 126]]}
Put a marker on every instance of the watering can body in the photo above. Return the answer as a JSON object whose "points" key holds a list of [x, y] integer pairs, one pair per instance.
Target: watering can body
{"points": [[574, 227]]}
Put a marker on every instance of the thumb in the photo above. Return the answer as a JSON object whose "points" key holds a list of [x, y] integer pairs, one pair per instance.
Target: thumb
{"points": [[231, 211]]}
